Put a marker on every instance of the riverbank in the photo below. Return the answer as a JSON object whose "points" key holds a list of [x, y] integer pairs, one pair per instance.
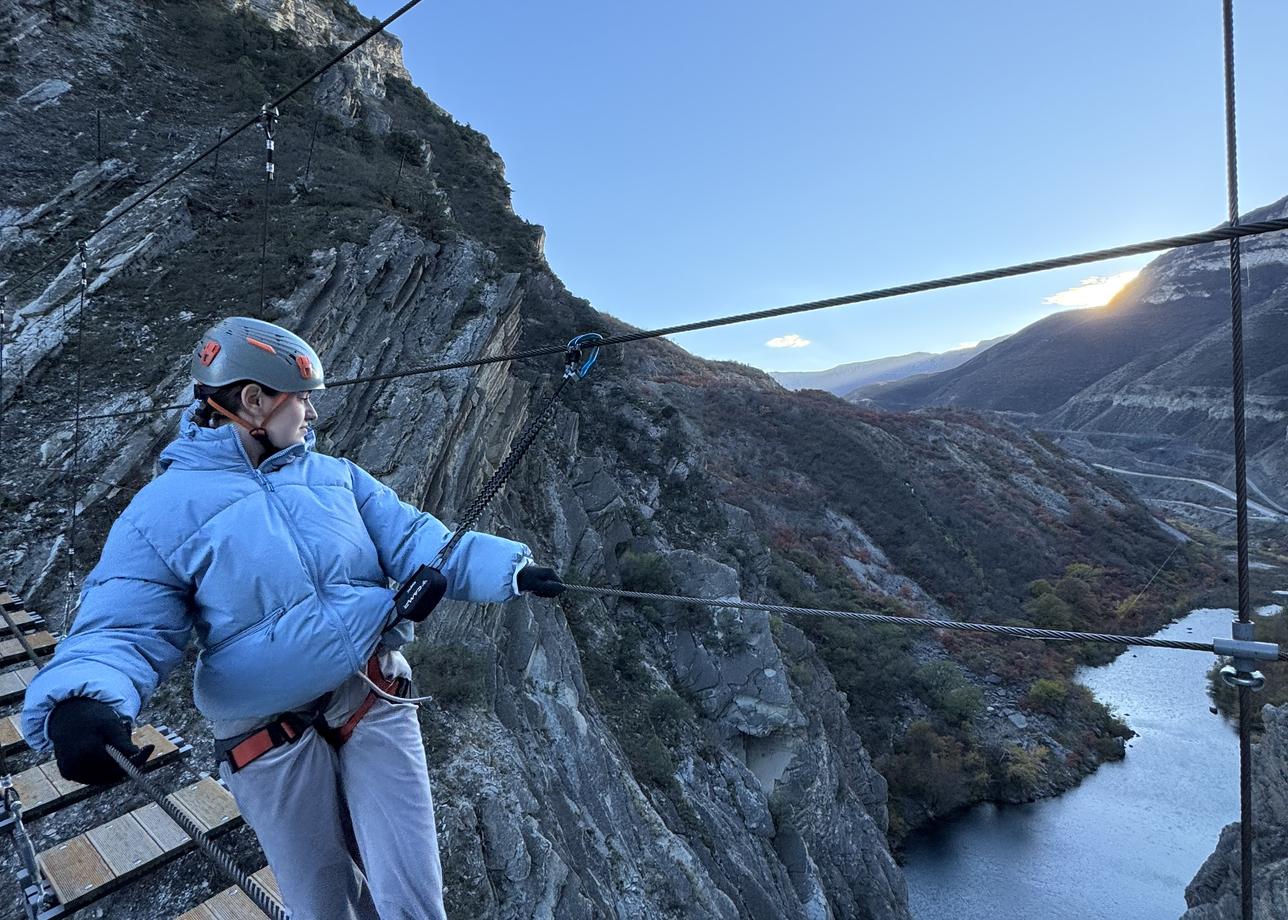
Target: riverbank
{"points": [[1127, 840]]}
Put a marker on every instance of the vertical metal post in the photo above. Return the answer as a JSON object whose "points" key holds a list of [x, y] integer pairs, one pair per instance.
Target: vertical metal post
{"points": [[268, 122], [1244, 624]]}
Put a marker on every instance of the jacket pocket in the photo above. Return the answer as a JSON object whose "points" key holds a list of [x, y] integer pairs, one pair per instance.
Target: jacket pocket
{"points": [[245, 631]]}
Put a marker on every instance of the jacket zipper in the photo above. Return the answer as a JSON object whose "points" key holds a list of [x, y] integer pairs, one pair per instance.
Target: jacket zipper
{"points": [[271, 619], [303, 554]]}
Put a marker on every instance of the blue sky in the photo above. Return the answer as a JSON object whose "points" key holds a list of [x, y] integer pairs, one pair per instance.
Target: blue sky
{"points": [[693, 159]]}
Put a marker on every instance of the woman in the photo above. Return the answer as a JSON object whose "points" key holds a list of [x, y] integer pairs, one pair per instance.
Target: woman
{"points": [[278, 557]]}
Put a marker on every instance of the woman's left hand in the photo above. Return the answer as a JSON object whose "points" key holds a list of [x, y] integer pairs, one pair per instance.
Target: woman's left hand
{"points": [[541, 581]]}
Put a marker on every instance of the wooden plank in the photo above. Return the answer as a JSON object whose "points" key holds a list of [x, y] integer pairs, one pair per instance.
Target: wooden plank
{"points": [[266, 878], [124, 844], [207, 803], [74, 869], [34, 788], [147, 734], [43, 789], [19, 616], [197, 913], [233, 904], [10, 736], [79, 869], [64, 787], [160, 827], [11, 650], [11, 686]]}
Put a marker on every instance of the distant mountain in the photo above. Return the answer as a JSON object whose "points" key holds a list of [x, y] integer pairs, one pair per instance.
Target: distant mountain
{"points": [[845, 378], [1144, 382]]}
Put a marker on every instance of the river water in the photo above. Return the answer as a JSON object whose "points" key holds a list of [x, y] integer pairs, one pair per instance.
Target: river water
{"points": [[1123, 844]]}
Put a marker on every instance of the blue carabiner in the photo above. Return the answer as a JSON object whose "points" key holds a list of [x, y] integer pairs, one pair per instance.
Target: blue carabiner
{"points": [[575, 354]]}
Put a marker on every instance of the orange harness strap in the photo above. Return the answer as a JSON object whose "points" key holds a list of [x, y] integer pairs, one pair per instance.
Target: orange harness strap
{"points": [[338, 736], [287, 729]]}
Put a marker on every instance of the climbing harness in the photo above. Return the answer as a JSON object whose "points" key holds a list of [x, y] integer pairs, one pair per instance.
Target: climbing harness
{"points": [[289, 727]]}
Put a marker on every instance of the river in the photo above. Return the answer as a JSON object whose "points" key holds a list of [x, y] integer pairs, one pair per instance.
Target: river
{"points": [[1124, 843]]}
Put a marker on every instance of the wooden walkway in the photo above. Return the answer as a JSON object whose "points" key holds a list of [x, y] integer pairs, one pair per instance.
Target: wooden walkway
{"points": [[98, 862], [232, 903], [81, 871], [42, 788]]}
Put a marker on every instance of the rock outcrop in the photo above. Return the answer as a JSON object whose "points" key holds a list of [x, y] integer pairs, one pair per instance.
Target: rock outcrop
{"points": [[1215, 892]]}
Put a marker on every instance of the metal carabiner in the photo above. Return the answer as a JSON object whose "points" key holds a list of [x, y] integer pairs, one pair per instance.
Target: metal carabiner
{"points": [[575, 356]]}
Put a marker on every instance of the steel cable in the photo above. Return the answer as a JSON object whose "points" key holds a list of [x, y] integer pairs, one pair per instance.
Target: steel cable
{"points": [[1013, 632], [256, 892], [1238, 385], [1173, 242]]}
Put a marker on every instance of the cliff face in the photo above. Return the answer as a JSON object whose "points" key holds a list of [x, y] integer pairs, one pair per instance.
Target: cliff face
{"points": [[589, 758], [1215, 893]]}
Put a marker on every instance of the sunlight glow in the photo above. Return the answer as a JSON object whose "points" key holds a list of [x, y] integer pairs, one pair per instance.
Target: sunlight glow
{"points": [[1095, 291]]}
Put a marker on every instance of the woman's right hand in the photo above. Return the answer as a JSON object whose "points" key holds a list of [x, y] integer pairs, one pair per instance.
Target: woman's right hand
{"points": [[81, 728]]}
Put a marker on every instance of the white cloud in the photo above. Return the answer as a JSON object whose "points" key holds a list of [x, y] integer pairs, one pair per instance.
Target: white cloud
{"points": [[1093, 292], [961, 346], [788, 341]]}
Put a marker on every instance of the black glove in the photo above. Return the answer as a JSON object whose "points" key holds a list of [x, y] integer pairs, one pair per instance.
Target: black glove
{"points": [[81, 728], [540, 581]]}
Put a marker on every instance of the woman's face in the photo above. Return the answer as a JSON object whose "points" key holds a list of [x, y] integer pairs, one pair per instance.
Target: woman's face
{"points": [[289, 424]]}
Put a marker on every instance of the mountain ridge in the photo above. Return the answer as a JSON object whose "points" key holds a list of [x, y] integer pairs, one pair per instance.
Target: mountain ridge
{"points": [[844, 379]]}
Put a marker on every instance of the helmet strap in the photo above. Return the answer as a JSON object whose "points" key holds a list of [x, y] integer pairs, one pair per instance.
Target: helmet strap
{"points": [[258, 432]]}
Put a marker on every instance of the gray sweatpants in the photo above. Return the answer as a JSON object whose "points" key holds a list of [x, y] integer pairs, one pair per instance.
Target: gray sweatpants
{"points": [[349, 834]]}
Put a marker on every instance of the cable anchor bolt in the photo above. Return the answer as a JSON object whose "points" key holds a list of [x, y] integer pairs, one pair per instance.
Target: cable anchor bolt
{"points": [[1244, 653], [581, 355]]}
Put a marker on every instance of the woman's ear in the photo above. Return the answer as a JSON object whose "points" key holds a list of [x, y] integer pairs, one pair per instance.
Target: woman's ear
{"points": [[252, 397]]}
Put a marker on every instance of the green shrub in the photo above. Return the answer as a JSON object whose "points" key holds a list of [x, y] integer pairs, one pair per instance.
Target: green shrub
{"points": [[647, 572], [453, 673], [1048, 696], [1021, 771], [943, 686]]}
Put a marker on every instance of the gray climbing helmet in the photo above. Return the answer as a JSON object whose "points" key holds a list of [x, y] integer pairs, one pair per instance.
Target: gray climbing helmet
{"points": [[241, 348]]}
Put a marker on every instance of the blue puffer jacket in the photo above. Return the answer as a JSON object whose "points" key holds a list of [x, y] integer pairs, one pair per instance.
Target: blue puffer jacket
{"points": [[281, 570]]}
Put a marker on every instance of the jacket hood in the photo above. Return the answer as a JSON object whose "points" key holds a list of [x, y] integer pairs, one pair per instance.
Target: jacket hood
{"points": [[198, 448]]}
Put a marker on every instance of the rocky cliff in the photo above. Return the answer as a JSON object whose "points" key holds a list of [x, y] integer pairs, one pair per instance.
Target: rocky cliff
{"points": [[1215, 892], [589, 759]]}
